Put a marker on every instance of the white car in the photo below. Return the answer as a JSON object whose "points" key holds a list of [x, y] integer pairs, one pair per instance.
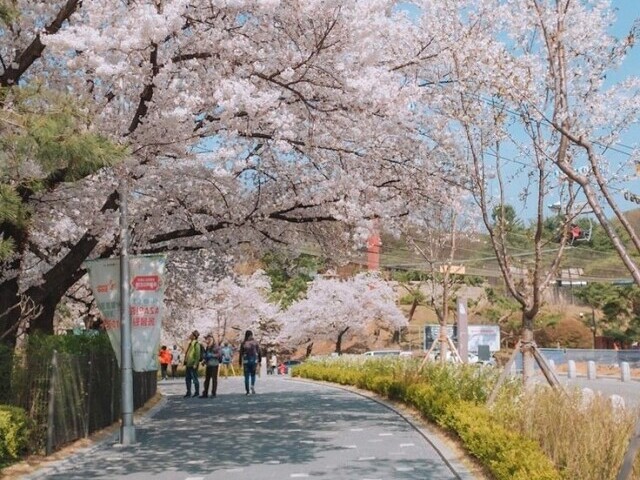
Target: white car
{"points": [[383, 353], [388, 353]]}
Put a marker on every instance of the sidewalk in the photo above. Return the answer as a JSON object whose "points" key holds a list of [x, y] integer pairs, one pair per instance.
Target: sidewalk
{"points": [[289, 429]]}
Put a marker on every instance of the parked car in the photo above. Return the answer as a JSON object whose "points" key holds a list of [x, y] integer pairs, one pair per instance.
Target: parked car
{"points": [[382, 353], [388, 353]]}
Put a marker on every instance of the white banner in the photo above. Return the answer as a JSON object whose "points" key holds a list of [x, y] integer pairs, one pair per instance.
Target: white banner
{"points": [[147, 294], [145, 308], [104, 277], [484, 335]]}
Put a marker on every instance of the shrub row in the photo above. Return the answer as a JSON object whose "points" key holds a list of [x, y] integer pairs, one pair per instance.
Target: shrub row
{"points": [[454, 399], [14, 434]]}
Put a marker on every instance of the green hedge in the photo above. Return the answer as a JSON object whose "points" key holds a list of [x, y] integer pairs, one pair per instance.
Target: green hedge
{"points": [[14, 433], [454, 399], [506, 453], [93, 342]]}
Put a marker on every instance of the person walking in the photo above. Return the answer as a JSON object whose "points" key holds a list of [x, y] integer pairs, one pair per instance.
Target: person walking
{"points": [[227, 359], [191, 361], [175, 360], [273, 363], [249, 360], [211, 361], [165, 359]]}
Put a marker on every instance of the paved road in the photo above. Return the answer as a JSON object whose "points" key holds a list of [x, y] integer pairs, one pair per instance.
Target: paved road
{"points": [[629, 391], [289, 429]]}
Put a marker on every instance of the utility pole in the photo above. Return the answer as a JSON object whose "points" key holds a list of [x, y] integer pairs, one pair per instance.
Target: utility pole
{"points": [[127, 429], [593, 326]]}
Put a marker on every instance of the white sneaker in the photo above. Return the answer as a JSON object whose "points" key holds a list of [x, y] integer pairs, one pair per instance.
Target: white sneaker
{"points": [[253, 390]]}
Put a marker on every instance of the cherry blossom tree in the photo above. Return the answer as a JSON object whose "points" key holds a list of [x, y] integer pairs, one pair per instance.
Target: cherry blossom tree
{"points": [[224, 307], [568, 48], [521, 86], [435, 234], [247, 122], [340, 310]]}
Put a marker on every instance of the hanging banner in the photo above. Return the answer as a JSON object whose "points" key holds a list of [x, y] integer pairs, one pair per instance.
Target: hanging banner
{"points": [[145, 307], [104, 277]]}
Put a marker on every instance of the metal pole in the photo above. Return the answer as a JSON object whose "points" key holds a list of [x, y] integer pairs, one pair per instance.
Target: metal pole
{"points": [[593, 324], [51, 408], [463, 330], [127, 429]]}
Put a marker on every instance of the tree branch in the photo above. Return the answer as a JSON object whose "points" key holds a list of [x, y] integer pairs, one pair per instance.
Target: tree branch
{"points": [[29, 55]]}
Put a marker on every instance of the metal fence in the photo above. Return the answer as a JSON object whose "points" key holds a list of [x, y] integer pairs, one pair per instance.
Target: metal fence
{"points": [[561, 356], [70, 396]]}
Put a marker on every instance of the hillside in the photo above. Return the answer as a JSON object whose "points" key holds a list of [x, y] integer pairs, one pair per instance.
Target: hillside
{"points": [[593, 260]]}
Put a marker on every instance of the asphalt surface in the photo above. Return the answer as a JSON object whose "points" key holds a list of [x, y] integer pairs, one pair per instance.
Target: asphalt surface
{"points": [[289, 429], [629, 391]]}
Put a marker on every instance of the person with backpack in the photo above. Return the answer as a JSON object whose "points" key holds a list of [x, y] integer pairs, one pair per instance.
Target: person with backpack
{"points": [[212, 356], [227, 359], [249, 360], [192, 358]]}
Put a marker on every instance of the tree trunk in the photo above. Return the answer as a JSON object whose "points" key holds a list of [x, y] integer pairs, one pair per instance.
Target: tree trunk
{"points": [[339, 341], [412, 310], [308, 352], [10, 286], [442, 339], [58, 280], [528, 361]]}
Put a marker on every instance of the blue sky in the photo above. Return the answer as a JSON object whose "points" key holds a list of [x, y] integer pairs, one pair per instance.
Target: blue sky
{"points": [[627, 12]]}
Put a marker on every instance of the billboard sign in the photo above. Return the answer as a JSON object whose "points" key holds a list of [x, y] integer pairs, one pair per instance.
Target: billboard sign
{"points": [[477, 335]]}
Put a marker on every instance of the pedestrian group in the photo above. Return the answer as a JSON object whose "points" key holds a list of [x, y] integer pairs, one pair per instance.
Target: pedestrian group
{"points": [[217, 360]]}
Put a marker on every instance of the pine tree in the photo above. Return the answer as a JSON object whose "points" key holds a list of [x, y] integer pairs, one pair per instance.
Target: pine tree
{"points": [[43, 143]]}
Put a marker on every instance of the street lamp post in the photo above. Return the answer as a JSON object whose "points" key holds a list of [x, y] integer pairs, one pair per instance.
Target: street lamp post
{"points": [[127, 429]]}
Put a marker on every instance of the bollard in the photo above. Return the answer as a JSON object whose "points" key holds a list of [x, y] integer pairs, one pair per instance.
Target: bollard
{"points": [[625, 372], [552, 366], [571, 372], [587, 397], [591, 370], [617, 402]]}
